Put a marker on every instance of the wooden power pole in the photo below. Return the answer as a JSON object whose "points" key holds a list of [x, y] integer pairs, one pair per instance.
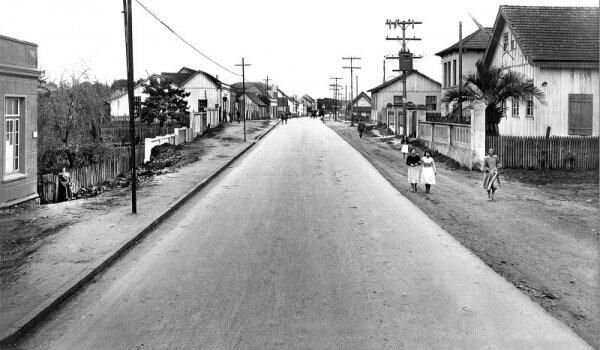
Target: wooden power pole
{"points": [[352, 67], [335, 88], [244, 65], [130, 95], [405, 62]]}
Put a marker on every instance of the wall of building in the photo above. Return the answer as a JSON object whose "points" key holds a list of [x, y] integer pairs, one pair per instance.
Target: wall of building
{"points": [[119, 106], [468, 66], [557, 84], [417, 88], [201, 88], [18, 78]]}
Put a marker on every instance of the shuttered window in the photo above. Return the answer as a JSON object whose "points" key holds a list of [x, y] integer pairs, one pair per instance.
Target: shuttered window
{"points": [[580, 114]]}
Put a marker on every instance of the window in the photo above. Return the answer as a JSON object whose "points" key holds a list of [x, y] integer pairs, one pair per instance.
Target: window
{"points": [[515, 107], [513, 43], [12, 137], [529, 107], [431, 103], [202, 105], [137, 106], [454, 73], [505, 42], [580, 114], [504, 108], [397, 99]]}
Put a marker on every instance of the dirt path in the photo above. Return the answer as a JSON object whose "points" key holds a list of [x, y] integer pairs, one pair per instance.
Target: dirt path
{"points": [[542, 238]]}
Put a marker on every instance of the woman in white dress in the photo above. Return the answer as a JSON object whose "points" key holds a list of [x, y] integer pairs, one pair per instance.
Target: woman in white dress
{"points": [[428, 171]]}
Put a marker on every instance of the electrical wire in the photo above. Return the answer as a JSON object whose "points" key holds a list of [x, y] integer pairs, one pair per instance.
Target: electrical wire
{"points": [[182, 39]]}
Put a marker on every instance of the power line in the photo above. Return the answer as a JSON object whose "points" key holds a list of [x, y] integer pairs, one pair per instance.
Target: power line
{"points": [[182, 39]]}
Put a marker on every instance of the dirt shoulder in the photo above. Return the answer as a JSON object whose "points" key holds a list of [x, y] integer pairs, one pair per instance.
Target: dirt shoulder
{"points": [[541, 232], [27, 227]]}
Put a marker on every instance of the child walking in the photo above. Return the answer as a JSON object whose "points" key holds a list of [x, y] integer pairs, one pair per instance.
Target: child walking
{"points": [[428, 171]]}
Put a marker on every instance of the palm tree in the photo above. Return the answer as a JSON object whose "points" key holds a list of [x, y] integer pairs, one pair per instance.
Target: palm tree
{"points": [[493, 86]]}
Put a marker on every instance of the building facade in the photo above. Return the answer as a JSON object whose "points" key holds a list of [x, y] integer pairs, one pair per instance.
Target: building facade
{"points": [[474, 46], [360, 108], [387, 100], [19, 110], [556, 48]]}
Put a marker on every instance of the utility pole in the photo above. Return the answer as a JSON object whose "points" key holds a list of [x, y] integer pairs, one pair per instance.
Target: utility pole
{"points": [[384, 70], [335, 89], [404, 60], [268, 98], [460, 78], [129, 53], [244, 65], [352, 68]]}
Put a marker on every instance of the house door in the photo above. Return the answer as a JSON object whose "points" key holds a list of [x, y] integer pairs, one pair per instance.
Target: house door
{"points": [[580, 114], [413, 125]]}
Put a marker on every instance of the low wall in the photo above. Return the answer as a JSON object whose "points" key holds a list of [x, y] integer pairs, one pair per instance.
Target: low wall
{"points": [[464, 143]]}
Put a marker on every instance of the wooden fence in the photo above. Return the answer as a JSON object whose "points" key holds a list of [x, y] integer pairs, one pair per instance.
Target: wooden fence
{"points": [[90, 175], [549, 153]]}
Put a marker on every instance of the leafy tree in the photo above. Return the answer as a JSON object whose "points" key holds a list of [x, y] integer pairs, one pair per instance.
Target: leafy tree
{"points": [[71, 113], [493, 86], [165, 101]]}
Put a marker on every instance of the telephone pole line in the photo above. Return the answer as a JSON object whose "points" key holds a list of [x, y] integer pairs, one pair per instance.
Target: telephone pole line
{"points": [[268, 97], [335, 89], [352, 68], [244, 65], [405, 63], [129, 54]]}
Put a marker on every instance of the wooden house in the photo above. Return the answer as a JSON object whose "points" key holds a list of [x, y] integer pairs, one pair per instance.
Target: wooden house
{"points": [[19, 76], [474, 46], [360, 108], [557, 49], [422, 92]]}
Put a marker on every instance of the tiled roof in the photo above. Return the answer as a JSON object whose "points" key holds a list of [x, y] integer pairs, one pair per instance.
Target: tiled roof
{"points": [[256, 99], [567, 34], [177, 78], [398, 78], [476, 41]]}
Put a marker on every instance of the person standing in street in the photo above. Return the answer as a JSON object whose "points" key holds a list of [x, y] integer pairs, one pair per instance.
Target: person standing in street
{"points": [[238, 114], [428, 172], [361, 129], [404, 148], [491, 182], [413, 161]]}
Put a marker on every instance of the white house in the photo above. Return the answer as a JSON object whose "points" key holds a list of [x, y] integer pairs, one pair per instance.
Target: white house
{"points": [[557, 49], [387, 101], [474, 46], [360, 107]]}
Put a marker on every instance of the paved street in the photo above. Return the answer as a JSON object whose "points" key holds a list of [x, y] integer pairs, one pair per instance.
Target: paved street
{"points": [[301, 244]]}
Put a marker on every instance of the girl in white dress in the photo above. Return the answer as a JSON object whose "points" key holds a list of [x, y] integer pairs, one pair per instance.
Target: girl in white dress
{"points": [[428, 171]]}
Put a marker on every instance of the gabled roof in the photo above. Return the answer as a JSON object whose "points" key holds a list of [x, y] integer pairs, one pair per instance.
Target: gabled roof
{"points": [[177, 78], [185, 74], [476, 41], [308, 98], [254, 98], [124, 91], [563, 35], [362, 94], [398, 78]]}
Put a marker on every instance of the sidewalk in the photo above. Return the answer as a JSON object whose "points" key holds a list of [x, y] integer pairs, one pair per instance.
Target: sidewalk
{"points": [[102, 228], [541, 235]]}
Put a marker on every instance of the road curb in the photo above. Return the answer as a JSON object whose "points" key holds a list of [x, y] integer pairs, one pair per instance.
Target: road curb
{"points": [[34, 318]]}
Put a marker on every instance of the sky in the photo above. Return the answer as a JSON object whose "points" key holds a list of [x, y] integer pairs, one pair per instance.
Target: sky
{"points": [[298, 44]]}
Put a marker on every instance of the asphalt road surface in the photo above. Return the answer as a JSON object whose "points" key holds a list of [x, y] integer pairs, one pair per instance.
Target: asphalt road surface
{"points": [[302, 244]]}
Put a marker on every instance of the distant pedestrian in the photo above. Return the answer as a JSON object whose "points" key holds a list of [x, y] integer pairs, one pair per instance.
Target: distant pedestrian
{"points": [[413, 161], [404, 147], [428, 172], [491, 181], [361, 129], [239, 115]]}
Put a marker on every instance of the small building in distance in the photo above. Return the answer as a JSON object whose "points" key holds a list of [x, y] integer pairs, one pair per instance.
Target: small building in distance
{"points": [[557, 49], [474, 46], [360, 108], [19, 80], [387, 102]]}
